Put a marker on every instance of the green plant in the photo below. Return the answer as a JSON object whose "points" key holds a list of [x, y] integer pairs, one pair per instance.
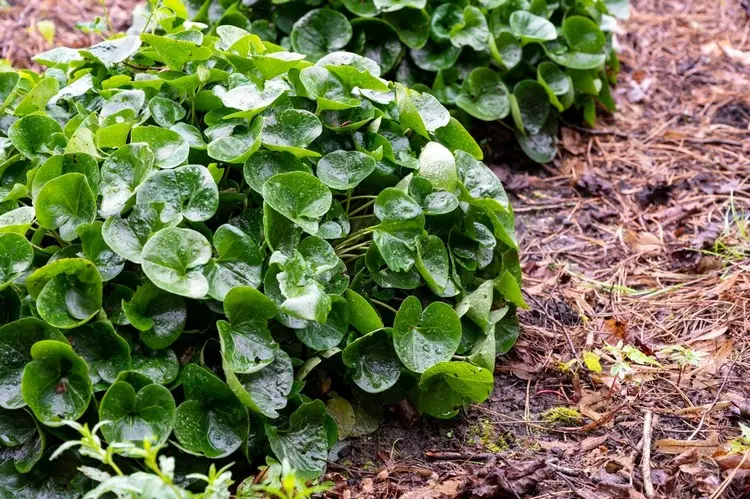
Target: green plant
{"points": [[157, 482], [192, 224], [279, 480], [520, 62]]}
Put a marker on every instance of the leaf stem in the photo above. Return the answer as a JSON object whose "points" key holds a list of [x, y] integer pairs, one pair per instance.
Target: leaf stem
{"points": [[357, 246], [361, 208], [355, 236], [384, 305]]}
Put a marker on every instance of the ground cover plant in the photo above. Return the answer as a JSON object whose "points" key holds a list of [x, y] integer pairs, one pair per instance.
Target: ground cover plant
{"points": [[523, 63], [213, 245]]}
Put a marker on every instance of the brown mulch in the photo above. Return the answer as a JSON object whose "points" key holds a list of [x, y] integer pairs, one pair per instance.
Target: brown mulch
{"points": [[20, 38], [639, 231]]}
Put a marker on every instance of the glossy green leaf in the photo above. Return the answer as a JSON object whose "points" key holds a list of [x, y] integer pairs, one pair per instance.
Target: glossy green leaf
{"points": [[264, 391], [137, 413], [291, 130], [455, 137], [211, 421], [127, 236], [300, 197], [116, 50], [531, 28], [68, 292], [122, 173], [252, 98], [265, 164], [32, 134], [239, 146], [305, 444], [402, 223], [176, 53], [344, 170], [16, 257], [104, 351], [447, 387], [320, 32], [170, 149], [471, 30], [239, 262], [56, 384], [362, 316], [61, 164], [583, 35], [95, 249], [484, 95], [159, 316], [173, 260], [22, 440], [530, 106], [189, 190], [373, 360], [65, 203], [16, 340], [424, 338]]}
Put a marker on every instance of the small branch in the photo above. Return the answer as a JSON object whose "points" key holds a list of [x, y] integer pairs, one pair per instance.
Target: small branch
{"points": [[648, 486], [457, 456]]}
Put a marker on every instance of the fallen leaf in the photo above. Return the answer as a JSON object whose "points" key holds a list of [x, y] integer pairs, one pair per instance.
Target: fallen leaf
{"points": [[731, 461], [448, 488], [615, 330], [643, 242], [592, 443], [706, 447]]}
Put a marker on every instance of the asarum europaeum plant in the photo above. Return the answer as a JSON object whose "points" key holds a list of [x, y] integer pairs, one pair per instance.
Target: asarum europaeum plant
{"points": [[523, 62], [201, 237]]}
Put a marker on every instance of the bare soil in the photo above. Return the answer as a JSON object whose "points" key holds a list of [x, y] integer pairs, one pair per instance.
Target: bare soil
{"points": [[639, 231]]}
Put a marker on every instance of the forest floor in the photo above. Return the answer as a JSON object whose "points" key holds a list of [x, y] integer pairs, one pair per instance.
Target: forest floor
{"points": [[638, 232]]}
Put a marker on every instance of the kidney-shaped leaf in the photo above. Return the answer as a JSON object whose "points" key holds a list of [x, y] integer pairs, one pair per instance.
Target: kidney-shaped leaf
{"points": [[239, 262], [33, 134], [68, 292], [65, 203], [425, 338], [169, 148], [484, 95], [211, 421], [531, 28], [137, 412], [56, 384], [127, 236], [265, 164], [105, 352], [291, 130], [122, 173], [402, 223], [16, 257], [305, 444], [300, 197], [158, 315], [320, 32], [189, 190], [373, 360], [16, 339], [264, 391], [173, 260], [448, 386], [344, 170]]}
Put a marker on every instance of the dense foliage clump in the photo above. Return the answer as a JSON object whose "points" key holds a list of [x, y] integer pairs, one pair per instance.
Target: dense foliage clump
{"points": [[212, 244], [525, 62]]}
